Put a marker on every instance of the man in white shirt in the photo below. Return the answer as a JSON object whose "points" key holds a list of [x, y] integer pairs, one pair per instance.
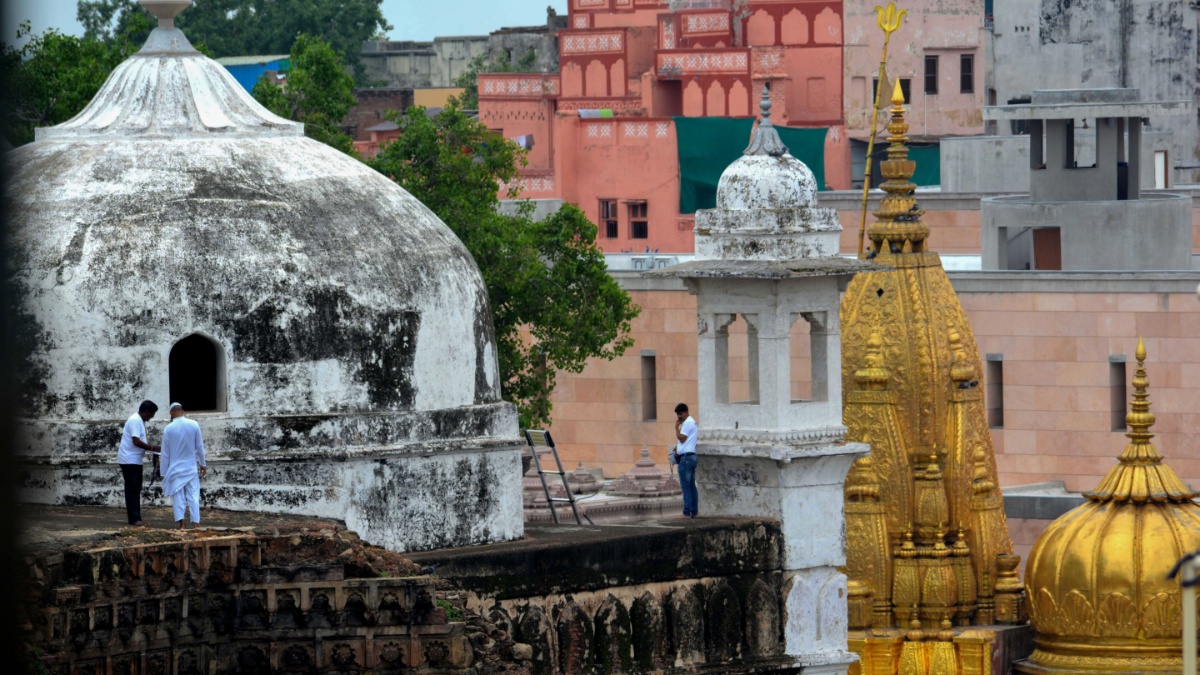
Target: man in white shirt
{"points": [[130, 457], [686, 431], [183, 464]]}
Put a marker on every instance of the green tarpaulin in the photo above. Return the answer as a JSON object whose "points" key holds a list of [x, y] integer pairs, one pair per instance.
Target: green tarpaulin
{"points": [[929, 164], [707, 145]]}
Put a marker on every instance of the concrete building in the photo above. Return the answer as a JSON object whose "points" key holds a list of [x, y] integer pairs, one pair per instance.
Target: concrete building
{"points": [[1053, 44], [365, 118], [436, 64], [176, 241], [1075, 211], [938, 55]]}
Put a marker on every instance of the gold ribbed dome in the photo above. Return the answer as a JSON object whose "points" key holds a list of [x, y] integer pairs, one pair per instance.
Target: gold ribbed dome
{"points": [[1097, 578]]}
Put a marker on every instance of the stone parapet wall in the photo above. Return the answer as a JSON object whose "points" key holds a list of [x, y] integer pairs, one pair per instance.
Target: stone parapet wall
{"points": [[235, 604], [454, 495], [698, 597]]}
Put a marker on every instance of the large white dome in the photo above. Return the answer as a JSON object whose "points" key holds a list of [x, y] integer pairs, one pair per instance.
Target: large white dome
{"points": [[175, 204], [176, 240]]}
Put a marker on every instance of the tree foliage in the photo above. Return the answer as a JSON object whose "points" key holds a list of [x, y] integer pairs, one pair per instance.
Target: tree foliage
{"points": [[553, 301], [484, 63], [319, 92], [52, 77], [250, 27]]}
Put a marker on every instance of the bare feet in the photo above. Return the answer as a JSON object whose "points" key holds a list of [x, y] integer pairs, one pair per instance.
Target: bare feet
{"points": [[138, 524]]}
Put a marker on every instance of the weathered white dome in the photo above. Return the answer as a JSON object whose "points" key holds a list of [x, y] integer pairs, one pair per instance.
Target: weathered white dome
{"points": [[766, 182], [175, 204], [177, 239]]}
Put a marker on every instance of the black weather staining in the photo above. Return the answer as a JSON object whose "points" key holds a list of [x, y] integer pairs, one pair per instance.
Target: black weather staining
{"points": [[329, 324], [484, 337], [29, 339], [418, 493], [99, 439], [207, 184], [73, 254]]}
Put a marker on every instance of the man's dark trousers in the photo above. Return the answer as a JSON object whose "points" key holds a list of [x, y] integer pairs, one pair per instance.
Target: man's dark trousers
{"points": [[132, 473]]}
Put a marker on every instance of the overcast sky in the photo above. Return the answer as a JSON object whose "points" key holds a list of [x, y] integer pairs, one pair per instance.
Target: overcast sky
{"points": [[411, 19]]}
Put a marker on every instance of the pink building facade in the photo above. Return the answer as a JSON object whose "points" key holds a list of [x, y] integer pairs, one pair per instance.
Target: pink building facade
{"points": [[603, 128], [938, 56]]}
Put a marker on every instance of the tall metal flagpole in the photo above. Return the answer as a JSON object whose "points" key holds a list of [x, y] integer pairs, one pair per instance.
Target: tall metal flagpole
{"points": [[889, 20]]}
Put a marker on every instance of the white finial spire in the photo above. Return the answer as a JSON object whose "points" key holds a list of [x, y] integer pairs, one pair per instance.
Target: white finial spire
{"points": [[166, 10], [166, 39], [765, 140]]}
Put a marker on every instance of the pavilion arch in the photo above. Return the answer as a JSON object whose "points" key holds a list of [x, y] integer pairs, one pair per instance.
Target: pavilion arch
{"points": [[197, 369]]}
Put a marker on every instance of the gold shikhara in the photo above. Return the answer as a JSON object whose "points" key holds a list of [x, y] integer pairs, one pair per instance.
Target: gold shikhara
{"points": [[929, 559]]}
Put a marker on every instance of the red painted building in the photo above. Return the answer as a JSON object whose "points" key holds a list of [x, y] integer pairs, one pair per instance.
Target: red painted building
{"points": [[604, 132]]}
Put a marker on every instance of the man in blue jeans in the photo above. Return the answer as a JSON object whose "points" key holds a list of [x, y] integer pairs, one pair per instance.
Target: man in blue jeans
{"points": [[686, 432]]}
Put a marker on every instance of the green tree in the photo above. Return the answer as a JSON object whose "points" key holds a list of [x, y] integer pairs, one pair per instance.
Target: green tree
{"points": [[318, 92], [469, 78], [252, 27], [52, 77], [553, 301]]}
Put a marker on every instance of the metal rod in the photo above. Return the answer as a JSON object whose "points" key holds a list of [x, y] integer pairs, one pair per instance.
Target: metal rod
{"points": [[889, 21], [862, 223]]}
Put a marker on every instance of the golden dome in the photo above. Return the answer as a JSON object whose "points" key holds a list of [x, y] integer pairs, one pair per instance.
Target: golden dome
{"points": [[1097, 577]]}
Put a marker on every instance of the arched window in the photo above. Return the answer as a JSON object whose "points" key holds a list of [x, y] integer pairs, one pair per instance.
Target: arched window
{"points": [[197, 371]]}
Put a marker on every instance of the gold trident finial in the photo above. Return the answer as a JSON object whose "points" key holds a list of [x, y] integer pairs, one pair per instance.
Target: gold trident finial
{"points": [[889, 19]]}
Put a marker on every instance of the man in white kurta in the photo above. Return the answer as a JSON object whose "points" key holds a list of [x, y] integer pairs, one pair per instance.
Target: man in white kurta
{"points": [[183, 463]]}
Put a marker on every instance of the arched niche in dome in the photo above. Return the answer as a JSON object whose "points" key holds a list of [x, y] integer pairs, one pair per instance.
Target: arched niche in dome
{"points": [[196, 367]]}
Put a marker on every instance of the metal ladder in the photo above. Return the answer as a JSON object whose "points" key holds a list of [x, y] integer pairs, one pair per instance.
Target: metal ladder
{"points": [[537, 439]]}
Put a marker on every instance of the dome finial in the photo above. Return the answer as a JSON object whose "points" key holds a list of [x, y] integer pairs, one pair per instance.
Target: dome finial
{"points": [[166, 39], [765, 140], [166, 10], [1139, 419], [1141, 475]]}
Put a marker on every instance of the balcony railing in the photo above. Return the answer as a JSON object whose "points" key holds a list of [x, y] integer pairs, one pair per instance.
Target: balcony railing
{"points": [[673, 65], [591, 42], [518, 85], [678, 5]]}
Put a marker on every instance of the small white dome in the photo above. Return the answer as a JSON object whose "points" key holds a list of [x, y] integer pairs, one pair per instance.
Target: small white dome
{"points": [[762, 181], [766, 177]]}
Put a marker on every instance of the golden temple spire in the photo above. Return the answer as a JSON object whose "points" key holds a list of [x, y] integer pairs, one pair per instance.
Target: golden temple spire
{"points": [[898, 216], [1141, 476]]}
